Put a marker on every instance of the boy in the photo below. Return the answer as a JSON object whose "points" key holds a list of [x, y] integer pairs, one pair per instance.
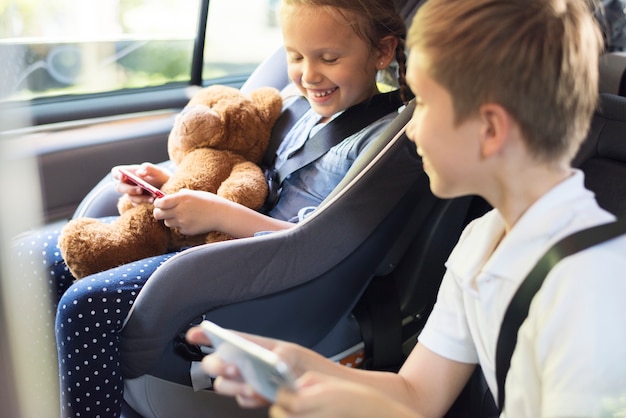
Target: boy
{"points": [[505, 91]]}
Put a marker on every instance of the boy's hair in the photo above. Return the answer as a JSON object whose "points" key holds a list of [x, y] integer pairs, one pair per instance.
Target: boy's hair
{"points": [[371, 20], [536, 58]]}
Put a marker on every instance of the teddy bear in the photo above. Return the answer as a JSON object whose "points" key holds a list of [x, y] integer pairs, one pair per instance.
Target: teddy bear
{"points": [[217, 143]]}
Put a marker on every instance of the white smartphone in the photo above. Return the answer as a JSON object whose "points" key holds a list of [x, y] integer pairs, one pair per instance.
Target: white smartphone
{"points": [[259, 367]]}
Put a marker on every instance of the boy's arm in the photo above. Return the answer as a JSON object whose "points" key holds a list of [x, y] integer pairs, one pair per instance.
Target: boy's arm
{"points": [[435, 381], [427, 383]]}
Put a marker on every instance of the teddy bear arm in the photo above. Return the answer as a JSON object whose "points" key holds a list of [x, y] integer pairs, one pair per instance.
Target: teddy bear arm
{"points": [[202, 169], [246, 185], [124, 204]]}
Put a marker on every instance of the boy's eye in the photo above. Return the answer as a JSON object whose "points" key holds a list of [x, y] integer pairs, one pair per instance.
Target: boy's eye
{"points": [[329, 60]]}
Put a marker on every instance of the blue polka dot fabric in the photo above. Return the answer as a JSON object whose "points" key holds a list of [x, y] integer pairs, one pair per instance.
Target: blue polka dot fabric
{"points": [[90, 314]]}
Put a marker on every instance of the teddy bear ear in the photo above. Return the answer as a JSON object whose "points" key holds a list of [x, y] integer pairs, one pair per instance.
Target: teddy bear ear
{"points": [[268, 102]]}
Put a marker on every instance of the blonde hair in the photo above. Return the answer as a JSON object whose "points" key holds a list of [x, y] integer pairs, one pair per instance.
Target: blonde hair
{"points": [[536, 58], [371, 20]]}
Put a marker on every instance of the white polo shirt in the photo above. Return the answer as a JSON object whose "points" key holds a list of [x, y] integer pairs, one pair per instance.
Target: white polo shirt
{"points": [[570, 358]]}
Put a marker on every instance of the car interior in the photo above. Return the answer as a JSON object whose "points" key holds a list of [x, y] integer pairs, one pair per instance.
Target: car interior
{"points": [[355, 281]]}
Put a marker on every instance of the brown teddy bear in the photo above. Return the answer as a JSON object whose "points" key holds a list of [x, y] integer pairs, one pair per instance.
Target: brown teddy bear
{"points": [[217, 142]]}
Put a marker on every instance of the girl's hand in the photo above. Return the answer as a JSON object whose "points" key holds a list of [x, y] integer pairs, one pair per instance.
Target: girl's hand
{"points": [[192, 212], [196, 212], [149, 172], [319, 395]]}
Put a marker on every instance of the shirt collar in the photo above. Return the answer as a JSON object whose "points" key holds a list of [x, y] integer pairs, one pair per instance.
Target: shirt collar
{"points": [[539, 227]]}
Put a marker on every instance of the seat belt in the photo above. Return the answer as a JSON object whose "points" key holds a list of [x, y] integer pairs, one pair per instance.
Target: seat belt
{"points": [[517, 310], [349, 122], [291, 114]]}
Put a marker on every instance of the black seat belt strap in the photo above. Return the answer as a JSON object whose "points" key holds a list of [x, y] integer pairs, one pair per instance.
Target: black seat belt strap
{"points": [[349, 122], [517, 310], [288, 118]]}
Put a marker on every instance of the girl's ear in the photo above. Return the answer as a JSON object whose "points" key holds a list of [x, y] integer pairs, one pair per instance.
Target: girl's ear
{"points": [[496, 128], [386, 51]]}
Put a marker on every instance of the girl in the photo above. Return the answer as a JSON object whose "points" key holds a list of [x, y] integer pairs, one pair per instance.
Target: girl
{"points": [[335, 49]]}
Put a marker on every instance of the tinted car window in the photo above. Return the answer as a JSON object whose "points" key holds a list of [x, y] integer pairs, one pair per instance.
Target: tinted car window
{"points": [[62, 47]]}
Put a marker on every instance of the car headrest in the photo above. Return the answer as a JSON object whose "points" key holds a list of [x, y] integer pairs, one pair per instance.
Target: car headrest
{"points": [[613, 73], [603, 154]]}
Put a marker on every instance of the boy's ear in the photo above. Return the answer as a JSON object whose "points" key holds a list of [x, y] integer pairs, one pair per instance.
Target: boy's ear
{"points": [[496, 128], [386, 51]]}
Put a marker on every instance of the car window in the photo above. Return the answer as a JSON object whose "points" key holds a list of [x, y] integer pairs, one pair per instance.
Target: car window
{"points": [[240, 34], [74, 47]]}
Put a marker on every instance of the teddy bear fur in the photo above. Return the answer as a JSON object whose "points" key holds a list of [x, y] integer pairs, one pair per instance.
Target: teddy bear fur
{"points": [[217, 142]]}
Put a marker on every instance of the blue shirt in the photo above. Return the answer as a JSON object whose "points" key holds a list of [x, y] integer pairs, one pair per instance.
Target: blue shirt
{"points": [[307, 187]]}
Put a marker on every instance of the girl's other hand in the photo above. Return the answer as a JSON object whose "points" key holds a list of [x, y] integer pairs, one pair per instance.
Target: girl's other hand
{"points": [[192, 212]]}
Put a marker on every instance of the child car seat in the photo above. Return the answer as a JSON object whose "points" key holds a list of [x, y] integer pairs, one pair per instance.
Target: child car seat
{"points": [[301, 284]]}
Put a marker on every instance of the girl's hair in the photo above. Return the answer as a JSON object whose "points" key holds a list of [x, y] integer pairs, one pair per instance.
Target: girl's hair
{"points": [[536, 58], [371, 20]]}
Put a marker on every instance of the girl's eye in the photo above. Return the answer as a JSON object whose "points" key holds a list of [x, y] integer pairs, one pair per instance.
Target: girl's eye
{"points": [[294, 58], [329, 60]]}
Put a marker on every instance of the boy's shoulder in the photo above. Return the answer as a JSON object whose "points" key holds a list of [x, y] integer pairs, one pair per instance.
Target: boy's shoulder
{"points": [[601, 263]]}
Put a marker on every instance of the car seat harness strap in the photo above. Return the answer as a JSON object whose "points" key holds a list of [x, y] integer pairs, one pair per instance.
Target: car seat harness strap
{"points": [[348, 123]]}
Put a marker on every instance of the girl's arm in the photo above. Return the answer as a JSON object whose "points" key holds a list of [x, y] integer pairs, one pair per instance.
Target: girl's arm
{"points": [[195, 212]]}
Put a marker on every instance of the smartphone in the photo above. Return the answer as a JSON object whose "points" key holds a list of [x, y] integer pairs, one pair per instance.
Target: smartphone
{"points": [[128, 177], [259, 367]]}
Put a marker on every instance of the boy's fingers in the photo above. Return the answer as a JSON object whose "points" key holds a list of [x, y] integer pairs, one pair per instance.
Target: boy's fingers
{"points": [[231, 387], [195, 335]]}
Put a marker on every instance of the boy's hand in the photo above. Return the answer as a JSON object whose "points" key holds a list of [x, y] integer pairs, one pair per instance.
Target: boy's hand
{"points": [[320, 396], [229, 382]]}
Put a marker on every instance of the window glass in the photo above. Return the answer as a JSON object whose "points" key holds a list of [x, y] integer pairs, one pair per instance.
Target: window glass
{"points": [[240, 34], [57, 47]]}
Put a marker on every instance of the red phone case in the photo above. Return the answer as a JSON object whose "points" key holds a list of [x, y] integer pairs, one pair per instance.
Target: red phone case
{"points": [[129, 177]]}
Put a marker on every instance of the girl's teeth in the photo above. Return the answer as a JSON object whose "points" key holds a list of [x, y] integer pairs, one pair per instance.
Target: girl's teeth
{"points": [[323, 94]]}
